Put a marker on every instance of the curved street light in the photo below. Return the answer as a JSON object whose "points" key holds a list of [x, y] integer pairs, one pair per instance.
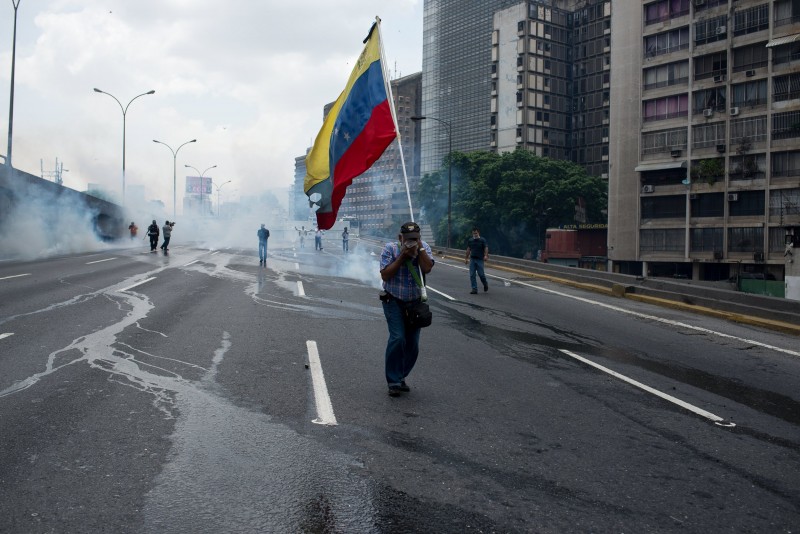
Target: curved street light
{"points": [[201, 174], [218, 188], [124, 114], [174, 170], [449, 166]]}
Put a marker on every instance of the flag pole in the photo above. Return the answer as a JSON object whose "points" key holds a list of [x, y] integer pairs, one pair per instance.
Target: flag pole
{"points": [[388, 85]]}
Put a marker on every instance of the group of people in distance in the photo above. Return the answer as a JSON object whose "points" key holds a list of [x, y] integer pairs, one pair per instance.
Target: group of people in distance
{"points": [[153, 233]]}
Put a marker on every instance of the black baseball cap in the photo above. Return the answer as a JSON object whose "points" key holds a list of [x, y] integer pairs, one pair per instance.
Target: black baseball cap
{"points": [[410, 230]]}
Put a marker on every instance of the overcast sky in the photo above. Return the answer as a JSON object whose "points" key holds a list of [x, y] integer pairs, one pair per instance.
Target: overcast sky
{"points": [[246, 78]]}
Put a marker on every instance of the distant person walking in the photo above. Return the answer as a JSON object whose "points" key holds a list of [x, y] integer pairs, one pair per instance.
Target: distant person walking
{"points": [[263, 235], [318, 239], [345, 241], [133, 229], [302, 234], [167, 235], [153, 233], [477, 253]]}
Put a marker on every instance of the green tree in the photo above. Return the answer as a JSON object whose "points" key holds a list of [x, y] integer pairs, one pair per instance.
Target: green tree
{"points": [[512, 197]]}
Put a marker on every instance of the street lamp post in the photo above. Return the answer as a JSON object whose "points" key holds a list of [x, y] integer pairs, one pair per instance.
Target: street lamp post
{"points": [[174, 171], [201, 174], [218, 188], [449, 168], [124, 114], [15, 3]]}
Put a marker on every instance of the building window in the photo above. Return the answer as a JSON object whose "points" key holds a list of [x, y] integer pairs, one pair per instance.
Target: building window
{"points": [[786, 87], [666, 42], [710, 30], [745, 239], [751, 20], [783, 202], [751, 129], [786, 53], [665, 10], [747, 167], [666, 207], [750, 94], [747, 204], [785, 163], [705, 239], [786, 12], [662, 240], [750, 57], [714, 98], [707, 135], [666, 75], [708, 205], [786, 125], [711, 65], [668, 107], [664, 141]]}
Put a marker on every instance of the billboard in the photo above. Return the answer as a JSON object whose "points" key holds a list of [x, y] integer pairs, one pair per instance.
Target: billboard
{"points": [[194, 186]]}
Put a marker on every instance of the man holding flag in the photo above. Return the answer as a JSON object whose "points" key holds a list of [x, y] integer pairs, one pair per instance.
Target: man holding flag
{"points": [[356, 131]]}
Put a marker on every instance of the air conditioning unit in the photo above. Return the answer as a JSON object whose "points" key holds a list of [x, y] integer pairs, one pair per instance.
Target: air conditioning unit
{"points": [[675, 153], [734, 111], [721, 149], [721, 30], [717, 254], [758, 256], [719, 78], [733, 197], [648, 188], [708, 112], [750, 73]]}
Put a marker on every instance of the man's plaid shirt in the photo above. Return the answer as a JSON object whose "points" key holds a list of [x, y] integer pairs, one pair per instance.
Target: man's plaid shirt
{"points": [[402, 286]]}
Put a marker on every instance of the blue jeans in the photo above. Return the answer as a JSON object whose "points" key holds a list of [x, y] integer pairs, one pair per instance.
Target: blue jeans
{"points": [[402, 348], [476, 264], [262, 250]]}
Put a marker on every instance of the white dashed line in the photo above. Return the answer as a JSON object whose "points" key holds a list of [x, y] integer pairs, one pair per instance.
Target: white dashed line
{"points": [[445, 295], [321, 398], [300, 291], [15, 276], [137, 284], [100, 261], [7, 334], [699, 411], [191, 263]]}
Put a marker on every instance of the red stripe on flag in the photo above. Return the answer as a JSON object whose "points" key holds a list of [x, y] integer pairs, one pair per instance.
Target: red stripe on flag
{"points": [[377, 134]]}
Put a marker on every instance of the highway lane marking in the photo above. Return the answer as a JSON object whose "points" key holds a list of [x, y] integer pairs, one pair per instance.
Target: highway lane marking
{"points": [[300, 291], [445, 295], [646, 316], [7, 334], [692, 408], [100, 261], [191, 263], [137, 284], [215, 252], [322, 400], [15, 276], [296, 265]]}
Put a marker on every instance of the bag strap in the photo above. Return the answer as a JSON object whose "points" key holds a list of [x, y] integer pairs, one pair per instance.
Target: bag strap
{"points": [[414, 273]]}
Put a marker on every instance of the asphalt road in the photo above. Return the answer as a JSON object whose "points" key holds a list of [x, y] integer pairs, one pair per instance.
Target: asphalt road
{"points": [[200, 392]]}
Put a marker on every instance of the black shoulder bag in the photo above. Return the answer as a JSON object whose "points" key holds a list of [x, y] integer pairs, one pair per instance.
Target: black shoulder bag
{"points": [[417, 314]]}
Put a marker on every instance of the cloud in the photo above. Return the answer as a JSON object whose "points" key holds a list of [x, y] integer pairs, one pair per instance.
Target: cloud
{"points": [[247, 79]]}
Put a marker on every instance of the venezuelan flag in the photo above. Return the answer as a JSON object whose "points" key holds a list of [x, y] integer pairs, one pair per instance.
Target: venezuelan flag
{"points": [[355, 133]]}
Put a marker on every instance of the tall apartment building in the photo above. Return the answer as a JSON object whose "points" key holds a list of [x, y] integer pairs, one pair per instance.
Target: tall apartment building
{"points": [[378, 197], [704, 136], [550, 81]]}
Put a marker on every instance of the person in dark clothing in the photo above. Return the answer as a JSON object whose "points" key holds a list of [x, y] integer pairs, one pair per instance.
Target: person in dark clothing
{"points": [[477, 253], [263, 235], [153, 232]]}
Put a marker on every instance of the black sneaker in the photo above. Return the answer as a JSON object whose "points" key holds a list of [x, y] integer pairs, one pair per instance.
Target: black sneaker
{"points": [[394, 391], [485, 287], [404, 387], [473, 292]]}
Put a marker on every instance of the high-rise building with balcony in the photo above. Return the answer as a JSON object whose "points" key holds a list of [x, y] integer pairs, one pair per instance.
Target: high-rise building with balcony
{"points": [[704, 136]]}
